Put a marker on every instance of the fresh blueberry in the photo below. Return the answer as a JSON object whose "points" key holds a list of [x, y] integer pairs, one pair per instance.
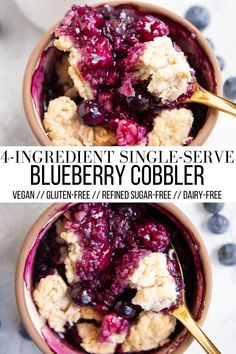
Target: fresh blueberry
{"points": [[140, 103], [221, 62], [81, 296], [211, 43], [22, 331], [213, 208], [227, 254], [199, 16], [230, 88], [131, 211], [218, 224], [91, 113]]}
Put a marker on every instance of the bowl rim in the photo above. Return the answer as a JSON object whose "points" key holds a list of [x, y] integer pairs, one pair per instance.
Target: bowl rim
{"points": [[55, 209], [34, 120]]}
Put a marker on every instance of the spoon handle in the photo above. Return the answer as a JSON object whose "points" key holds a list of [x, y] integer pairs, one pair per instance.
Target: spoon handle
{"points": [[209, 99], [183, 315]]}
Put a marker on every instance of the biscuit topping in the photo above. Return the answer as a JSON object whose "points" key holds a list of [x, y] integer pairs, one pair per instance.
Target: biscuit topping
{"points": [[51, 297], [166, 68], [150, 331], [171, 128], [156, 287]]}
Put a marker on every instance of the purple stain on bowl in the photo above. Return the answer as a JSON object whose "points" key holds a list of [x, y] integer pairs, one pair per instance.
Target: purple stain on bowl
{"points": [[41, 75], [30, 259]]}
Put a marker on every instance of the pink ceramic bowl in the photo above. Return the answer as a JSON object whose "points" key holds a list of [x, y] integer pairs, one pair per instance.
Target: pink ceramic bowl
{"points": [[188, 238]]}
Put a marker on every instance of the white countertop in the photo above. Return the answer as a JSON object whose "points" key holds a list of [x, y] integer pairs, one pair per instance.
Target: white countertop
{"points": [[17, 39], [220, 322]]}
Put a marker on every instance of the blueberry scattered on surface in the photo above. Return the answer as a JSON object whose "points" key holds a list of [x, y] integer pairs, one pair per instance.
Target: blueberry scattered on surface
{"points": [[227, 254], [218, 224], [22, 331], [213, 208], [211, 43], [221, 62], [230, 88], [199, 16]]}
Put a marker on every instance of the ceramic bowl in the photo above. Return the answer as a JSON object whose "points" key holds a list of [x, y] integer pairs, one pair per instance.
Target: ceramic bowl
{"points": [[200, 55], [198, 294]]}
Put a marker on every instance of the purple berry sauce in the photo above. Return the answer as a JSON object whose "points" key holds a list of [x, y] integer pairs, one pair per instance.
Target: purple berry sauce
{"points": [[113, 324]]}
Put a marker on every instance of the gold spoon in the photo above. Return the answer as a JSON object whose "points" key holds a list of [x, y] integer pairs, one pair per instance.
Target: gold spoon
{"points": [[203, 96], [183, 315]]}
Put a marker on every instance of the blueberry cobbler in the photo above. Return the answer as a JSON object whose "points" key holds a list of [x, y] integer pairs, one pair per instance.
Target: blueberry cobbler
{"points": [[119, 77], [105, 279]]}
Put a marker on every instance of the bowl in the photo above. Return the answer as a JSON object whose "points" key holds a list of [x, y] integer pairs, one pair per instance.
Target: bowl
{"points": [[186, 238], [192, 42]]}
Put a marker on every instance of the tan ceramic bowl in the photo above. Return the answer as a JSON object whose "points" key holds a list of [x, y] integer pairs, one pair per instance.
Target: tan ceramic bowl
{"points": [[208, 71], [202, 284]]}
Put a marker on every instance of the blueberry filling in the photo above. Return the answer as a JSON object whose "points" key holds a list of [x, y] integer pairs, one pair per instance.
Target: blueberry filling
{"points": [[199, 16], [105, 36]]}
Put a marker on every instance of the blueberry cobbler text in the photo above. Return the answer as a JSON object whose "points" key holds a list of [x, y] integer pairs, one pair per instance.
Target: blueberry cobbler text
{"points": [[105, 277], [119, 80]]}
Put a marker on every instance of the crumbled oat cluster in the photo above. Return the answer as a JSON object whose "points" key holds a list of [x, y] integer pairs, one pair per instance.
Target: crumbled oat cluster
{"points": [[149, 332], [51, 297], [166, 68], [171, 127], [109, 291], [65, 129], [89, 313], [89, 333], [74, 255], [118, 66], [156, 287]]}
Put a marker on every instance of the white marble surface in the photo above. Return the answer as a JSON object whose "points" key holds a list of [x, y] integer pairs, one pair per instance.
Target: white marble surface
{"points": [[17, 38]]}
